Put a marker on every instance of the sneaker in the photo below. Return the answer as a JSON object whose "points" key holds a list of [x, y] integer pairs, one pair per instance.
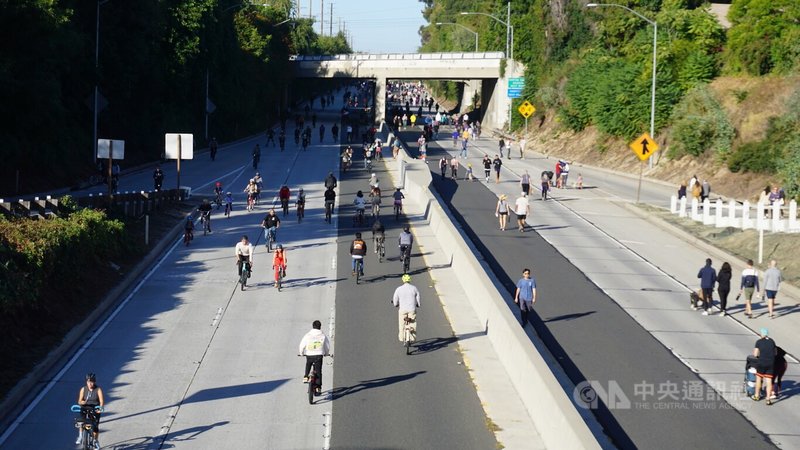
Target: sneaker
{"points": [[317, 392], [723, 314], [755, 398], [705, 313], [78, 441], [305, 380], [96, 444], [694, 308]]}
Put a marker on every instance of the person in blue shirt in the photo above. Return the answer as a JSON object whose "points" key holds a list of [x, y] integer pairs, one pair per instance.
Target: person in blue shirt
{"points": [[708, 277], [525, 296]]}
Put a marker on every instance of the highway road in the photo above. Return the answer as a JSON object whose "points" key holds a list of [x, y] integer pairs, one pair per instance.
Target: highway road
{"points": [[587, 332]]}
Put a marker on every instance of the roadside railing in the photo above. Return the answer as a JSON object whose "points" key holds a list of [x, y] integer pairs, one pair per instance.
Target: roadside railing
{"points": [[761, 216]]}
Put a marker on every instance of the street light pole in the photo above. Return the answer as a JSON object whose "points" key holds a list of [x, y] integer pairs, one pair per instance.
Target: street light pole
{"points": [[653, 82], [96, 69], [507, 23], [462, 26]]}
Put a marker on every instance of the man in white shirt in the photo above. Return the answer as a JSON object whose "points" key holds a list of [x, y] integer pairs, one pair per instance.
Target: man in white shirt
{"points": [[522, 209], [244, 252], [406, 299]]}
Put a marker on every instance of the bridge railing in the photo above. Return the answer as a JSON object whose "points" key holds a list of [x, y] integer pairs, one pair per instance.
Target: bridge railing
{"points": [[400, 56]]}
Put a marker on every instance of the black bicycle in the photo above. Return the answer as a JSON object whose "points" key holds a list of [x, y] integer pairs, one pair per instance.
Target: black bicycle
{"points": [[285, 206], [328, 211], [380, 247], [205, 219], [301, 211], [359, 269], [270, 239], [398, 208], [405, 257], [408, 331], [85, 423], [245, 274], [358, 218]]}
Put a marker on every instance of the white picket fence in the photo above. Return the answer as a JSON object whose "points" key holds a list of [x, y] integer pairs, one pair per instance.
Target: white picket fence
{"points": [[732, 214]]}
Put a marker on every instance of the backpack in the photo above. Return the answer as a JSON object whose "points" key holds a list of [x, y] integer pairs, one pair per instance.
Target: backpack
{"points": [[749, 282], [358, 245]]}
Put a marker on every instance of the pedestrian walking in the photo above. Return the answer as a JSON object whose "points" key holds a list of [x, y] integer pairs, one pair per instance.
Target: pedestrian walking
{"points": [[522, 209], [748, 287], [772, 281], [545, 184], [708, 276], [509, 145], [443, 166], [525, 183], [765, 350], [498, 164], [501, 211], [522, 143], [469, 172], [454, 168], [724, 286], [487, 166], [525, 295], [501, 146]]}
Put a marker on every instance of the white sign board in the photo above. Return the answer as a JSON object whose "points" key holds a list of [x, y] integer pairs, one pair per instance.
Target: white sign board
{"points": [[172, 140], [117, 150]]}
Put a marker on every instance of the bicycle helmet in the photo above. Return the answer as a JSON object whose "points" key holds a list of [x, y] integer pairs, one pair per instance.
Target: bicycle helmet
{"points": [[406, 278], [229, 193], [218, 184], [358, 235], [279, 247], [406, 228], [91, 377]]}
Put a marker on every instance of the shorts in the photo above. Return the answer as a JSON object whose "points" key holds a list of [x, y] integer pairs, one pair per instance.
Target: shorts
{"points": [[748, 293], [771, 294], [765, 371], [503, 213], [521, 216]]}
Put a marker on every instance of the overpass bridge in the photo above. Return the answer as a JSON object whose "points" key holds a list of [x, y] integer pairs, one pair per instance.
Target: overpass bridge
{"points": [[481, 72]]}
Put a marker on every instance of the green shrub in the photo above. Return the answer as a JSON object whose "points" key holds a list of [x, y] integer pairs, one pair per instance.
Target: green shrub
{"points": [[789, 169], [758, 156], [699, 123]]}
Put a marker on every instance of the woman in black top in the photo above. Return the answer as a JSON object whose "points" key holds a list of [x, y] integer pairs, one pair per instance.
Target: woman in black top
{"points": [[724, 285]]}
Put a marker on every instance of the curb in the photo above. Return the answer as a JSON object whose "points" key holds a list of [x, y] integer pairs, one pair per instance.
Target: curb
{"points": [[14, 402]]}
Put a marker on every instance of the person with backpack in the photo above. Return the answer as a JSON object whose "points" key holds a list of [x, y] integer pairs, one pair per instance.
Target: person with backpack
{"points": [[748, 287], [358, 250]]}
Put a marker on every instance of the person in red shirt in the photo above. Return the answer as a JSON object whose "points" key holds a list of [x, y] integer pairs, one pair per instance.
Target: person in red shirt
{"points": [[284, 195], [279, 263]]}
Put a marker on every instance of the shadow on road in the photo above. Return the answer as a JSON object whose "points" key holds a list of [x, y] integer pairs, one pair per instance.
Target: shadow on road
{"points": [[340, 392], [143, 443]]}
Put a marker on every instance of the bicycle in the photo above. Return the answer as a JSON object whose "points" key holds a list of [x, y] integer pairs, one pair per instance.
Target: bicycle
{"points": [[228, 208], [376, 209], [398, 208], [85, 423], [328, 211], [313, 382], [405, 257], [187, 237], [270, 239], [408, 333], [244, 275], [285, 206], [251, 202], [217, 199], [359, 269], [281, 274], [380, 247], [205, 219], [368, 164], [301, 211], [358, 218]]}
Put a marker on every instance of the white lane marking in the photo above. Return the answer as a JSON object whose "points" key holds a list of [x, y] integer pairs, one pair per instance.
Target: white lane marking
{"points": [[240, 170], [217, 317], [631, 242], [326, 434], [10, 430]]}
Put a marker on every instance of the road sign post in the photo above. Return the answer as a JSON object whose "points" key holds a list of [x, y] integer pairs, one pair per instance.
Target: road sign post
{"points": [[643, 147], [527, 110], [179, 146], [110, 149]]}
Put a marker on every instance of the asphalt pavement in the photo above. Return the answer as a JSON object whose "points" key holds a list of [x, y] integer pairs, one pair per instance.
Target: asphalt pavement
{"points": [[588, 333], [383, 399]]}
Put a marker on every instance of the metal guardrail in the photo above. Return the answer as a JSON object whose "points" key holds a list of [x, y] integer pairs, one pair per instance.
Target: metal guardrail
{"points": [[398, 56]]}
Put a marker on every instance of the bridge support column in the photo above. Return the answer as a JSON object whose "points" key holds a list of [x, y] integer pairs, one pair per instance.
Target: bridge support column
{"points": [[380, 100]]}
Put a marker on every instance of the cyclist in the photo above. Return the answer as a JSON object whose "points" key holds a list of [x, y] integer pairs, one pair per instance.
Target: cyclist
{"points": [[256, 156], [188, 227], [367, 156], [398, 198], [314, 346], [218, 194], [205, 210], [158, 178], [270, 136], [346, 160], [252, 192], [91, 397], [259, 184], [330, 199], [229, 203], [271, 223], [212, 146], [375, 200], [282, 139], [378, 233], [360, 203], [358, 249], [284, 194], [321, 132], [300, 204], [406, 299], [297, 136], [405, 241], [373, 180], [244, 252], [330, 181], [279, 263]]}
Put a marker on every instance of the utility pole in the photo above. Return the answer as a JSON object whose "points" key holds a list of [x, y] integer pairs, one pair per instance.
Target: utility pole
{"points": [[330, 22], [309, 9], [322, 17]]}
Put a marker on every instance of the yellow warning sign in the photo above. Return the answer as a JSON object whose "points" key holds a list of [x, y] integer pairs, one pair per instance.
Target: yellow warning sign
{"points": [[526, 109], [644, 146]]}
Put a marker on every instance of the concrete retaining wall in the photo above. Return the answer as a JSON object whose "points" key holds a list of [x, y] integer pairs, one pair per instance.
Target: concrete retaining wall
{"points": [[551, 409]]}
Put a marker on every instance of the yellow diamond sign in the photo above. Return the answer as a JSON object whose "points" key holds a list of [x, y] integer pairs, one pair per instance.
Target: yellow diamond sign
{"points": [[526, 109], [644, 146]]}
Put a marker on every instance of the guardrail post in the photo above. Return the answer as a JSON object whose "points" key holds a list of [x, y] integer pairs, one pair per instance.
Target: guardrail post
{"points": [[777, 222], [747, 222], [760, 213], [695, 214], [682, 210], [707, 218], [720, 221], [793, 225], [732, 220], [673, 204]]}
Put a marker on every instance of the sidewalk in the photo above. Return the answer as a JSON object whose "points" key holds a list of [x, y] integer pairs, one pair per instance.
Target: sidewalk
{"points": [[661, 262]]}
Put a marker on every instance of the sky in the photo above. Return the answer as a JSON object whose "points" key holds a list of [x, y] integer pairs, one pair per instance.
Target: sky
{"points": [[374, 26]]}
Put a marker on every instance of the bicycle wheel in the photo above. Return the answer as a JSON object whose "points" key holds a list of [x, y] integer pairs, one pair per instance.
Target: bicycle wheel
{"points": [[358, 272], [408, 341], [396, 212], [406, 263], [312, 382]]}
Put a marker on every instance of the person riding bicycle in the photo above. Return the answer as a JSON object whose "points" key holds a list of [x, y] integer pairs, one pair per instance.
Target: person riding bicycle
{"points": [[284, 194], [321, 132], [251, 190], [282, 139], [244, 252], [330, 199], [205, 211], [218, 191], [406, 300], [358, 250], [229, 201], [378, 233], [259, 185], [91, 397], [405, 241], [367, 156], [301, 199], [188, 227], [330, 181], [360, 203], [314, 346], [271, 223], [158, 178], [375, 200], [296, 136], [256, 155], [270, 136], [346, 160], [373, 180], [398, 198], [335, 131], [279, 263]]}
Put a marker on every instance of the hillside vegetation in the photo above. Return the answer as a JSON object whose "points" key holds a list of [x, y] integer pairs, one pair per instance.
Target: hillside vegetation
{"points": [[154, 60], [588, 71]]}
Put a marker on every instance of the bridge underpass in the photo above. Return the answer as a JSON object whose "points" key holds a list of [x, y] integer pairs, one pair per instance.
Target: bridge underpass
{"points": [[484, 68]]}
